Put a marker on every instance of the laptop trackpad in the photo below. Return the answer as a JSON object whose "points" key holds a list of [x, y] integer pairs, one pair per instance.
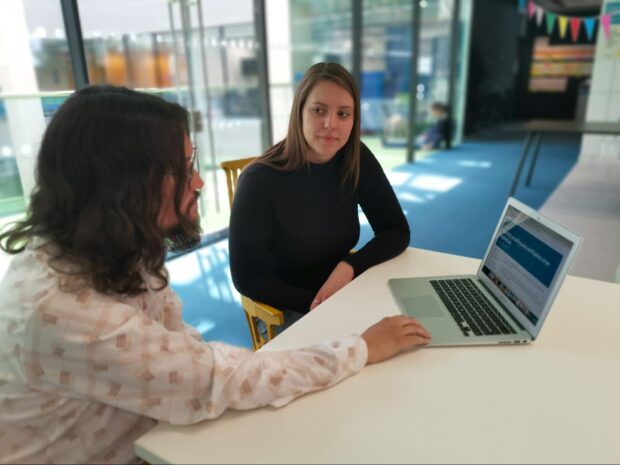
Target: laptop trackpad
{"points": [[422, 306]]}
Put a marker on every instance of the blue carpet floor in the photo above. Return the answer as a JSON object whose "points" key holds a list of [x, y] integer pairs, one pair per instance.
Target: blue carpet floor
{"points": [[452, 201]]}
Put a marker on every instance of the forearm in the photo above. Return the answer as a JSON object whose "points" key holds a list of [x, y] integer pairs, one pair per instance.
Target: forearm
{"points": [[276, 378], [141, 367], [382, 247], [386, 217]]}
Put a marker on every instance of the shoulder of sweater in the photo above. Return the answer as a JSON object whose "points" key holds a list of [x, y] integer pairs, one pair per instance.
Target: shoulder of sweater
{"points": [[257, 175], [368, 161], [257, 169]]}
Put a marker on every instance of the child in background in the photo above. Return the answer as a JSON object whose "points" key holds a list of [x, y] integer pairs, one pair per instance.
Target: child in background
{"points": [[439, 132]]}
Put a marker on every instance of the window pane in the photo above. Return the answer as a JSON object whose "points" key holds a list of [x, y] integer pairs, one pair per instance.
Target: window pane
{"points": [[434, 61], [386, 77], [460, 84], [133, 49], [320, 31], [206, 63], [300, 34], [35, 77]]}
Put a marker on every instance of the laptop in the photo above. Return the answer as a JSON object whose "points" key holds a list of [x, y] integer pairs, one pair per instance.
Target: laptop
{"points": [[508, 299]]}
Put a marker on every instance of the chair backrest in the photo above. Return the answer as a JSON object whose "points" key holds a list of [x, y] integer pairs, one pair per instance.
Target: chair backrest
{"points": [[232, 168], [254, 311]]}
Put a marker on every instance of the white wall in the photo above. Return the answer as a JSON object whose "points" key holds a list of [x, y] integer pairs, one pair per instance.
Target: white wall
{"points": [[604, 99]]}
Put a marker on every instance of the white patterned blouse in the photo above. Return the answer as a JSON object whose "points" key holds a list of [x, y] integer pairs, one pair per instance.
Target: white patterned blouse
{"points": [[83, 374]]}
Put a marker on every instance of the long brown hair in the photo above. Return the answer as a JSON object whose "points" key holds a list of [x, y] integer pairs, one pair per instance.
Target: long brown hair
{"points": [[291, 153], [100, 171]]}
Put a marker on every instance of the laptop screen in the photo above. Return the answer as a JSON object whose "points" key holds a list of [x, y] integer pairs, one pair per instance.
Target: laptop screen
{"points": [[525, 261]]}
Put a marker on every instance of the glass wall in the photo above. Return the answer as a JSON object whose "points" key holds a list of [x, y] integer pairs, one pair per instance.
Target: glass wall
{"points": [[301, 33], [34, 66], [201, 54], [320, 31], [460, 77], [386, 78], [204, 54], [434, 59]]}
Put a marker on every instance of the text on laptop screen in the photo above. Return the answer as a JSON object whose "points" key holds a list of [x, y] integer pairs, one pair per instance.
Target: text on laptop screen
{"points": [[524, 261]]}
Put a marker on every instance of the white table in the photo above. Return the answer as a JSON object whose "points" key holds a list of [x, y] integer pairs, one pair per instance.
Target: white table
{"points": [[555, 400]]}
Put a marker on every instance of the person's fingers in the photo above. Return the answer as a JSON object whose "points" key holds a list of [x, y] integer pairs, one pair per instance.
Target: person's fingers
{"points": [[405, 319], [415, 330], [412, 340], [410, 320], [316, 302], [418, 331], [419, 341], [409, 342], [415, 326], [403, 334]]}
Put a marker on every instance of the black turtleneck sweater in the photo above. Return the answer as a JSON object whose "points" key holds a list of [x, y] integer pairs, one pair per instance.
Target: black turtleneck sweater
{"points": [[288, 230]]}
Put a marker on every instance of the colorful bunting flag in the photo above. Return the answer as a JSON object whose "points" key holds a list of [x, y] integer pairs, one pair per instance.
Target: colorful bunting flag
{"points": [[589, 24], [550, 22], [539, 15], [531, 8], [563, 23], [575, 24], [606, 23]]}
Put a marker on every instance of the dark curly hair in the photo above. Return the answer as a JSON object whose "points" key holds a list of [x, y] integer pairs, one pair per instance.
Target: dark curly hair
{"points": [[98, 194]]}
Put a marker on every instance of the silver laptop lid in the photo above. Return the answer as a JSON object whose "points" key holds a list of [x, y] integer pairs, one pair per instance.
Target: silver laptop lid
{"points": [[526, 263]]}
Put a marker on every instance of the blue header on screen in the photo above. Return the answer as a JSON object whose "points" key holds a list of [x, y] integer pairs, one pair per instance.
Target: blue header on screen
{"points": [[540, 260]]}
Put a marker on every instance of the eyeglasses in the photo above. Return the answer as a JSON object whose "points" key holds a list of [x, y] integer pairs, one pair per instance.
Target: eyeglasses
{"points": [[192, 168]]}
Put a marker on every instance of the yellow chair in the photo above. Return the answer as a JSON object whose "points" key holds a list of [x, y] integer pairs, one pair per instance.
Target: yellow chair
{"points": [[254, 311]]}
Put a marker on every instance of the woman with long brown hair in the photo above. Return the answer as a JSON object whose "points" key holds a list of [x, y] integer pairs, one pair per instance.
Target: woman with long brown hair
{"points": [[295, 214]]}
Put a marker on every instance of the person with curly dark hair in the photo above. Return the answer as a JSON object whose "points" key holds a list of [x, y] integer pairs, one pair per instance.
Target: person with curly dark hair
{"points": [[104, 149], [93, 348]]}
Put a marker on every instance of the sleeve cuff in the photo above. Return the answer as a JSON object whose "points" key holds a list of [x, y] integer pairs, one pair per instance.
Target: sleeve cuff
{"points": [[357, 269]]}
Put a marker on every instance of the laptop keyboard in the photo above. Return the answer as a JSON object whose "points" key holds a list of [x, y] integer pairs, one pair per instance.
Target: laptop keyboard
{"points": [[470, 308]]}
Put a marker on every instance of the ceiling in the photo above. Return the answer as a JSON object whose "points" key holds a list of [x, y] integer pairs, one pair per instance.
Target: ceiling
{"points": [[570, 6]]}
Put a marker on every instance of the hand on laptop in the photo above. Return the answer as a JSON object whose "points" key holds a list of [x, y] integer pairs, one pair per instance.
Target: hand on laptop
{"points": [[393, 335]]}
